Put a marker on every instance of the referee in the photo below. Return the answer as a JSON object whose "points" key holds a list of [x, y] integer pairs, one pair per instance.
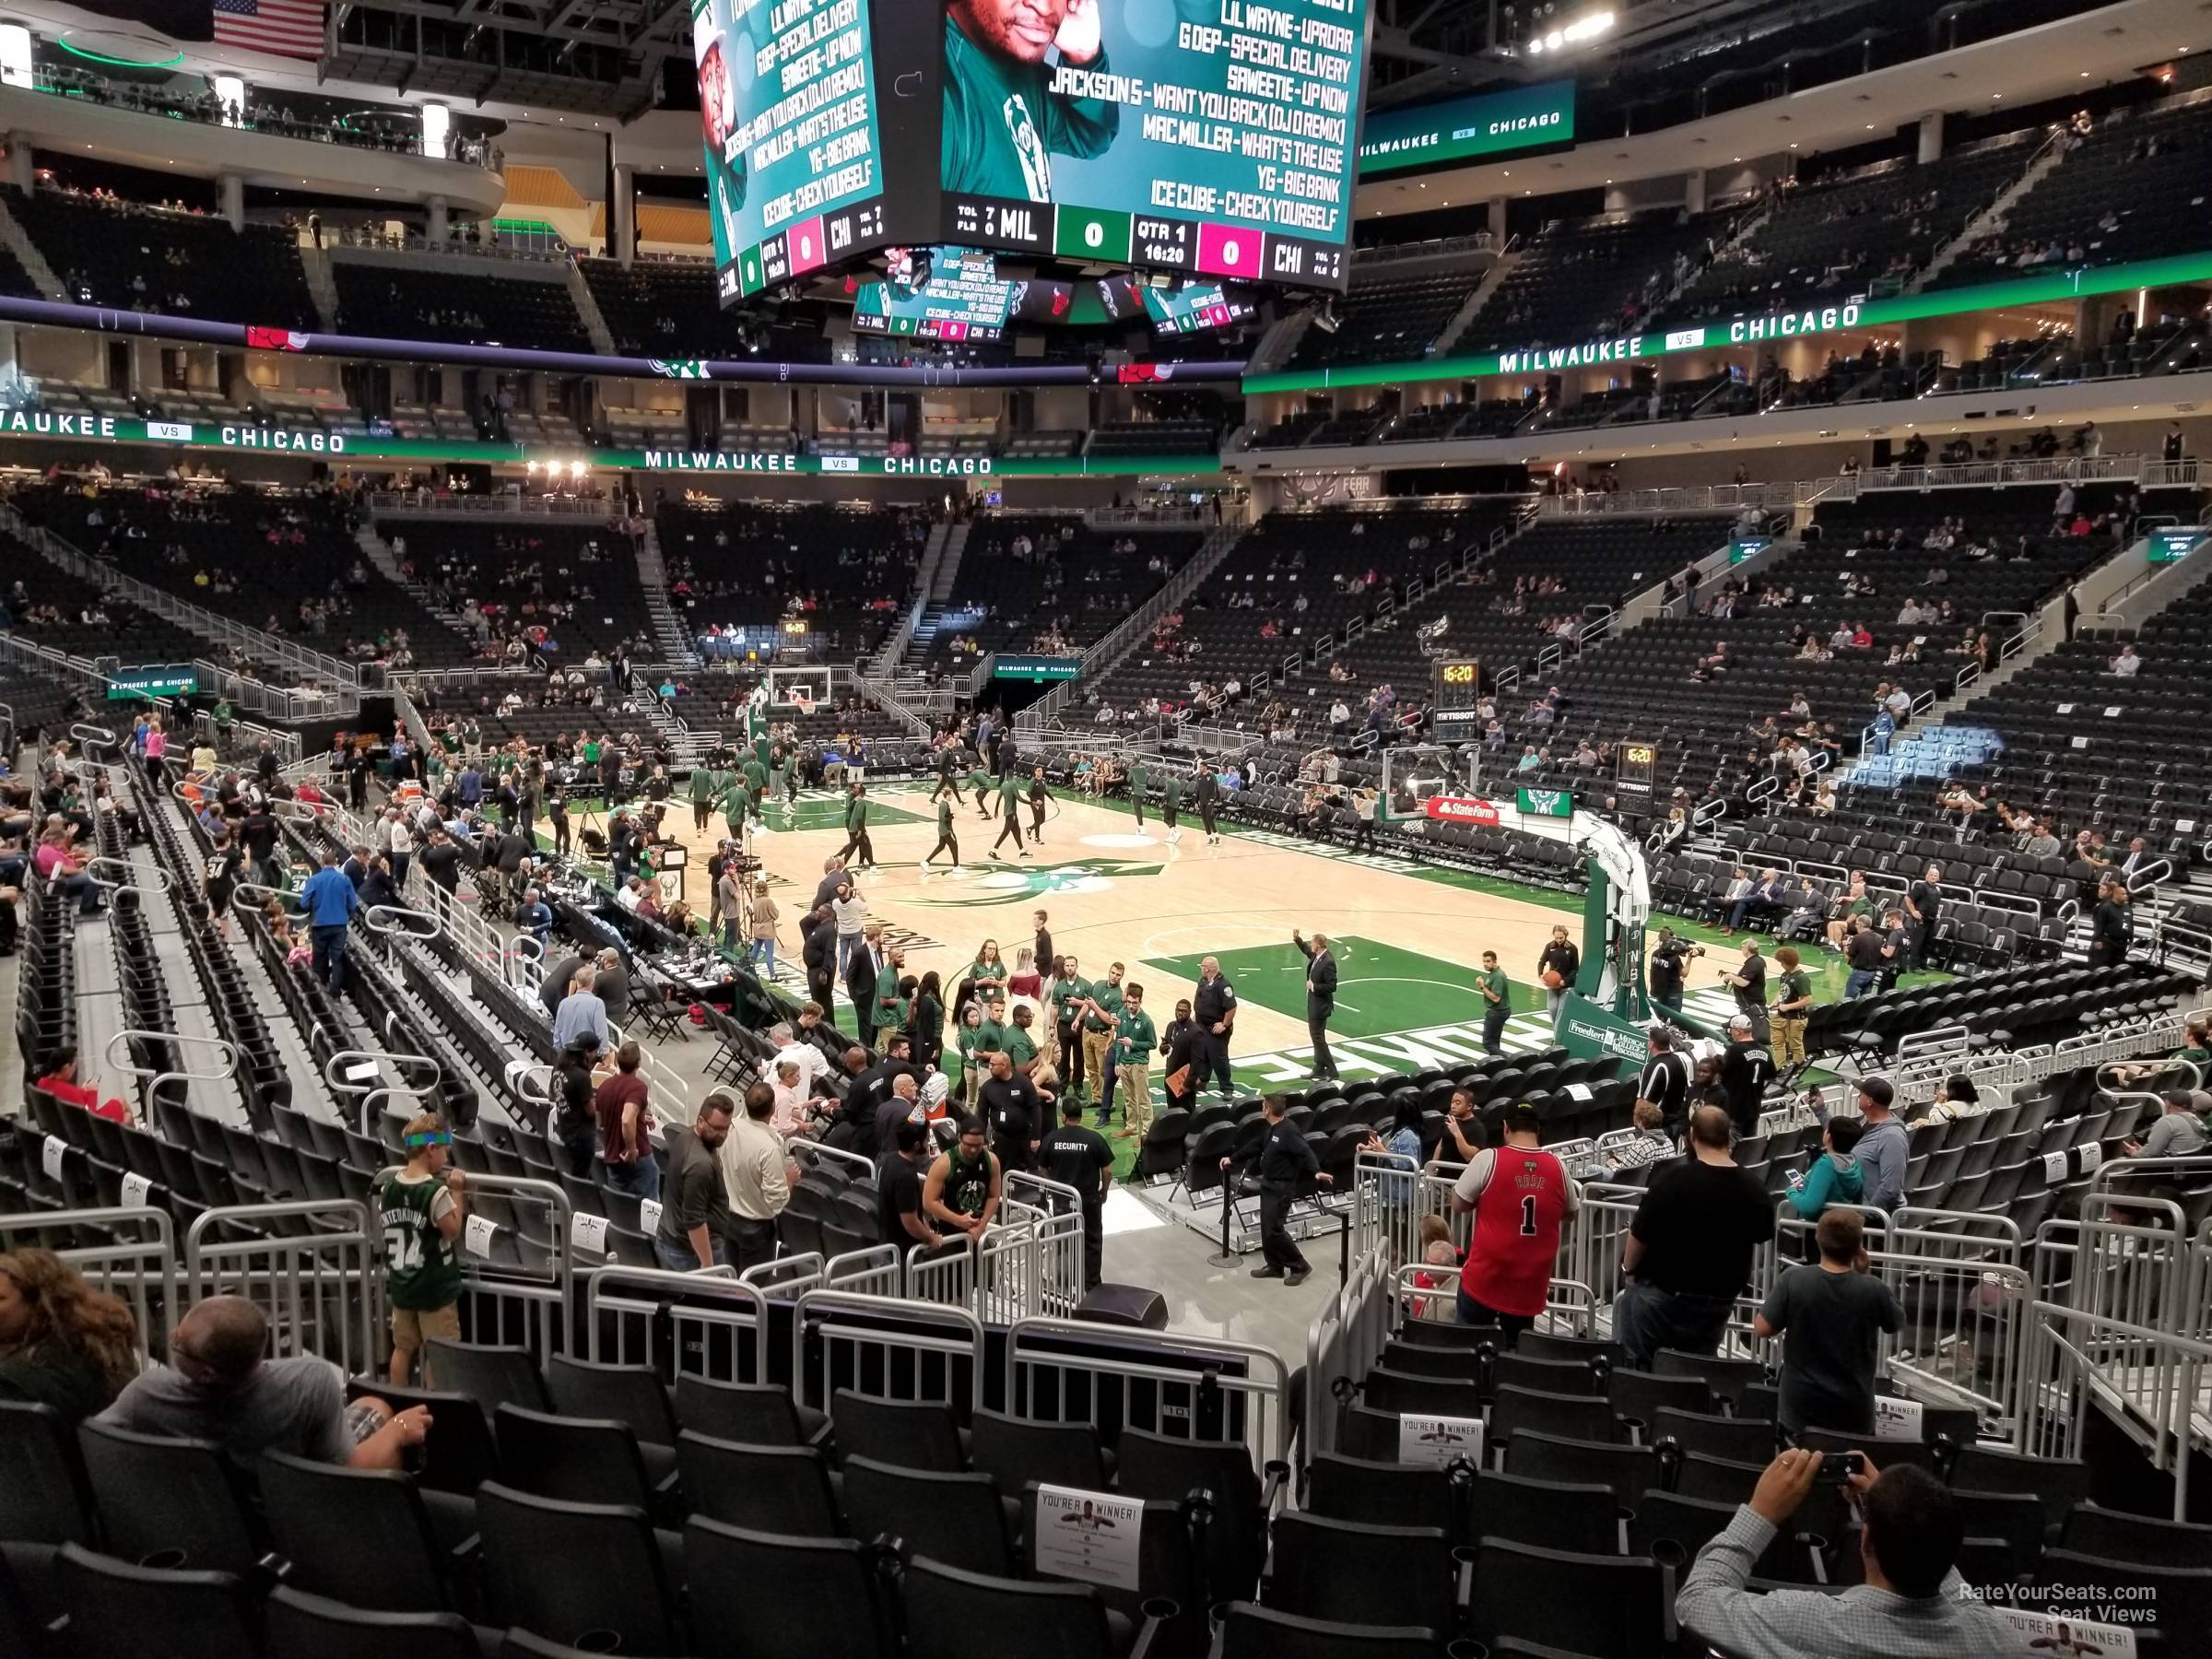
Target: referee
{"points": [[1321, 1001], [1214, 1008]]}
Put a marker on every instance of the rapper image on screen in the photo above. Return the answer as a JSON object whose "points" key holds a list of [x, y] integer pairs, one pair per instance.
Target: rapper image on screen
{"points": [[1003, 123], [718, 115]]}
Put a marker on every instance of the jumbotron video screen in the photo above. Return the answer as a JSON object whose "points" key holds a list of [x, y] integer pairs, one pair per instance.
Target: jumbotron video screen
{"points": [[1218, 140], [797, 130], [1210, 140]]}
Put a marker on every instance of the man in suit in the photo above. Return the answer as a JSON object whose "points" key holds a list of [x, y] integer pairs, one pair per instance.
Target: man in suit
{"points": [[1321, 1001], [861, 971]]}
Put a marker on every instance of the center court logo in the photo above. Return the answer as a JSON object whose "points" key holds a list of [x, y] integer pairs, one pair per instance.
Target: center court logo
{"points": [[1015, 884]]}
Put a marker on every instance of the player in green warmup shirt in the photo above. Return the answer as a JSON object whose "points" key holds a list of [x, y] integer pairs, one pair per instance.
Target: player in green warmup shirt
{"points": [[1139, 780], [736, 802], [947, 840], [1003, 123], [1170, 805], [856, 829], [1009, 803], [755, 781], [981, 783], [703, 797], [1039, 796]]}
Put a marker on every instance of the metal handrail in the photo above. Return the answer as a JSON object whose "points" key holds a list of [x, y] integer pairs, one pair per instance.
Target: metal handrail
{"points": [[109, 1055], [209, 624]]}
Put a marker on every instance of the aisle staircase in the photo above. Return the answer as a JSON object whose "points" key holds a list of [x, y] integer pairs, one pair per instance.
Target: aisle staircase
{"points": [[385, 559], [1991, 218], [689, 747], [1103, 657], [322, 286], [669, 631]]}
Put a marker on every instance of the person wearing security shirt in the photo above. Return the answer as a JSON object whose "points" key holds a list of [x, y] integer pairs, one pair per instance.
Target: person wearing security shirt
{"points": [[1003, 123]]}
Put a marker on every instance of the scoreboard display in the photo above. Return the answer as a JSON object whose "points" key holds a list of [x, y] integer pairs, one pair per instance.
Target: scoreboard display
{"points": [[1192, 307], [959, 295], [1455, 689], [1219, 141], [1634, 765], [797, 134]]}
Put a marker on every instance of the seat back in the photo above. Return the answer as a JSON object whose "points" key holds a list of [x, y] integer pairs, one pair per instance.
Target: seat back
{"points": [[357, 1535], [954, 1615], [533, 1548], [1012, 1450], [2092, 1530], [913, 1434], [1382, 1494], [492, 1375], [460, 1454], [1156, 1465], [168, 1503], [296, 1622], [1581, 1517], [769, 1595], [179, 1614], [782, 1490], [1254, 1632], [628, 1393], [43, 1499], [582, 1460], [956, 1519], [752, 1414], [1357, 1573], [1574, 1416], [1627, 1470], [1595, 1604]]}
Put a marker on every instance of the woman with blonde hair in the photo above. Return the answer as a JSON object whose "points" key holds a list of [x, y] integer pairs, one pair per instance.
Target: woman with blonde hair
{"points": [[63, 1343]]}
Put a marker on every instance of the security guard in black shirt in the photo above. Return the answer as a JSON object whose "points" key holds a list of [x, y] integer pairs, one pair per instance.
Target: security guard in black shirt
{"points": [[1080, 1157], [1286, 1161], [1214, 1008]]}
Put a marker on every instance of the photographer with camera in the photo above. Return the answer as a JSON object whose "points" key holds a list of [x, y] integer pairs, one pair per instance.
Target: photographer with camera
{"points": [[1911, 1605]]}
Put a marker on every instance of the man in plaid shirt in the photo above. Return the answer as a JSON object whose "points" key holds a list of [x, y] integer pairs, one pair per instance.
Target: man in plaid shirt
{"points": [[1913, 1604]]}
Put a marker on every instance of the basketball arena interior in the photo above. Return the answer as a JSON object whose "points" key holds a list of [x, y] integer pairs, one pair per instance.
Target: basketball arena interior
{"points": [[1115, 828]]}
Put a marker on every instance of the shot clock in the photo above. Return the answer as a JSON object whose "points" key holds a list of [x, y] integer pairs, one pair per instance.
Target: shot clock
{"points": [[1633, 767], [1457, 688]]}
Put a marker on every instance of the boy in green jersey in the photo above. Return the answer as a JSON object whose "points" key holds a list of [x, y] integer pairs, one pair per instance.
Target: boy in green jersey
{"points": [[420, 1207]]}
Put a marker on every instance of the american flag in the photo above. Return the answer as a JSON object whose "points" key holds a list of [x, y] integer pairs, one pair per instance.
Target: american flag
{"points": [[288, 27]]}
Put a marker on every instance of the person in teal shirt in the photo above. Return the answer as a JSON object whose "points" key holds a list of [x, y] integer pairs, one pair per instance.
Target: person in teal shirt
{"points": [[1835, 1177], [1003, 123]]}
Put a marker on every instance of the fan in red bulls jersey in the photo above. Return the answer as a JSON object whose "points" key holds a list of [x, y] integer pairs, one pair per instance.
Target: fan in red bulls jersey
{"points": [[1519, 1194]]}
